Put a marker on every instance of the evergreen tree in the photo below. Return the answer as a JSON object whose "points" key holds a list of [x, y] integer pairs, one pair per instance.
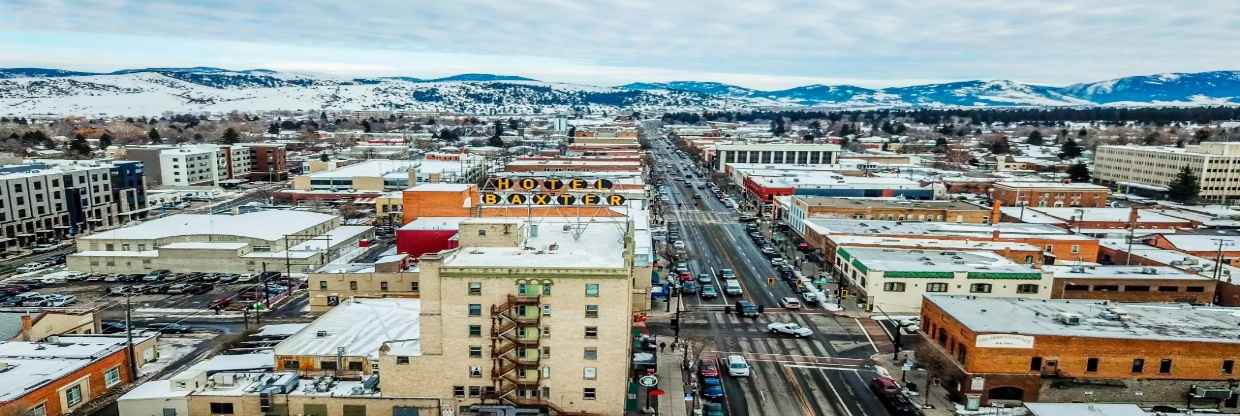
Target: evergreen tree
{"points": [[940, 145], [273, 129], [572, 132], [105, 141], [1082, 133], [230, 136], [153, 136], [79, 146], [495, 141], [448, 136], [1000, 145], [1184, 188], [1035, 138], [366, 126], [1079, 172], [777, 127], [1150, 139], [1201, 135], [1070, 149]]}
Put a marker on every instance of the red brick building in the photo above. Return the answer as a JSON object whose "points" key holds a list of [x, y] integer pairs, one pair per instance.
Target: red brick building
{"points": [[1132, 284], [1050, 194], [60, 376], [269, 162], [993, 349]]}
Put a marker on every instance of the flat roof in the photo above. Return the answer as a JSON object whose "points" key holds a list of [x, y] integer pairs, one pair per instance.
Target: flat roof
{"points": [[1203, 242], [1057, 185], [896, 259], [1085, 409], [929, 243], [1138, 321], [375, 167], [440, 187], [827, 180], [32, 365], [435, 223], [1106, 214], [360, 326], [203, 246], [1122, 272], [881, 228], [269, 225], [819, 201], [559, 243]]}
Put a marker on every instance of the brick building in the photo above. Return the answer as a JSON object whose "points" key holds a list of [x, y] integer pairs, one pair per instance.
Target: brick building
{"points": [[1050, 194], [65, 373], [892, 210], [991, 349], [1132, 284]]}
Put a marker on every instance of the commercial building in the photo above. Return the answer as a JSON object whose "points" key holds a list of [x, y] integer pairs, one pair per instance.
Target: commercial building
{"points": [[1132, 284], [1008, 350], [65, 373], [45, 201], [723, 154], [345, 342], [393, 276], [1057, 244], [1212, 246], [368, 175], [887, 209], [1150, 170], [894, 280], [277, 240], [1050, 194]]}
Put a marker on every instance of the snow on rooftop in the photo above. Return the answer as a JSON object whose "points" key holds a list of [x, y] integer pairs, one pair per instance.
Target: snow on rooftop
{"points": [[269, 225], [372, 168], [203, 246], [1085, 409], [277, 330], [595, 242], [1203, 242], [848, 240], [1121, 272], [435, 223], [361, 326], [441, 187], [1143, 321], [887, 260]]}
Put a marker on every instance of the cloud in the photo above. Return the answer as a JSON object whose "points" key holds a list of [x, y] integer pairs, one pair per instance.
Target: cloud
{"points": [[760, 43]]}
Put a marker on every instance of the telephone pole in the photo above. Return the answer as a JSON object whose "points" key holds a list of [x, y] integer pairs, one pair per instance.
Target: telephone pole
{"points": [[133, 363]]}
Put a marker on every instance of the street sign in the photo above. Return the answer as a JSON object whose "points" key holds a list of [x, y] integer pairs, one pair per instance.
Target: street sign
{"points": [[648, 381]]}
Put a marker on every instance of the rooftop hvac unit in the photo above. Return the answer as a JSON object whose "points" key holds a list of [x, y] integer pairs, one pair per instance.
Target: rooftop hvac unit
{"points": [[1149, 270], [1219, 393], [320, 333], [1068, 319]]}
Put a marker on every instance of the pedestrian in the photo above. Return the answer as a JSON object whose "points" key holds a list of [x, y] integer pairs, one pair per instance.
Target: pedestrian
{"points": [[662, 347]]}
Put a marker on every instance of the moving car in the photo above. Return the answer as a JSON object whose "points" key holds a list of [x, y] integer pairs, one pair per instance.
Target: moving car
{"points": [[790, 303], [731, 287], [689, 287], [708, 292], [727, 273], [746, 308], [703, 278], [789, 328], [737, 366]]}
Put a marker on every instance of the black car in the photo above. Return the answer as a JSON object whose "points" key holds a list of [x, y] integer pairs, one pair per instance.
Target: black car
{"points": [[171, 328], [112, 327]]}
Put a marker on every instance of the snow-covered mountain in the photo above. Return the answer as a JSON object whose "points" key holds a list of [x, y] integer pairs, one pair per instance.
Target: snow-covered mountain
{"points": [[149, 91]]}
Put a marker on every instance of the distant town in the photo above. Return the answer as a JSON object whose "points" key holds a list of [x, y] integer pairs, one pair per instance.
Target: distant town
{"points": [[615, 261]]}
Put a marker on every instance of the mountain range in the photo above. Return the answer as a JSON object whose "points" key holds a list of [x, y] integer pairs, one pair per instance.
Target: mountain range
{"points": [[150, 91]]}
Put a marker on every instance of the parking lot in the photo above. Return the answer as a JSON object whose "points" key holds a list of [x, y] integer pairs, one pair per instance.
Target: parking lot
{"points": [[205, 291]]}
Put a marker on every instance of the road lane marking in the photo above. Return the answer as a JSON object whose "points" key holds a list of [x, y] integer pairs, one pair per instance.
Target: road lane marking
{"points": [[867, 335], [838, 398], [797, 391]]}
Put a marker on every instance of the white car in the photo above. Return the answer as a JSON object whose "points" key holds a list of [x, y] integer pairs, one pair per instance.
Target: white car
{"points": [[30, 267], [789, 328], [790, 303], [737, 366]]}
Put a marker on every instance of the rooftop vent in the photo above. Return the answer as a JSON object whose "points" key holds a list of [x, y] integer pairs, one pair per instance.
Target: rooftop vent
{"points": [[1149, 270], [1068, 319], [320, 333]]}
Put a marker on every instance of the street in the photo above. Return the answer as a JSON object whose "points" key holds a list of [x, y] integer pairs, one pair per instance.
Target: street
{"points": [[823, 374]]}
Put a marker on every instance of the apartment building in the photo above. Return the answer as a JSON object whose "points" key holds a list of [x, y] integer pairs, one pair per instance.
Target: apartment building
{"points": [[208, 164], [1010, 350], [1149, 170], [894, 280], [48, 200], [773, 153]]}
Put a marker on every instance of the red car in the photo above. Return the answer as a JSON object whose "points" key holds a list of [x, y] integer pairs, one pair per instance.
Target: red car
{"points": [[685, 277], [708, 367]]}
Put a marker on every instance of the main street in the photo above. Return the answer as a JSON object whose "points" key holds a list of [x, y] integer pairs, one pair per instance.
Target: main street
{"points": [[824, 374]]}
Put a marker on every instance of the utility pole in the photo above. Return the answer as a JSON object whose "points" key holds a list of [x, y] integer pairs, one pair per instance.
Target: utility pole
{"points": [[133, 364], [1218, 259]]}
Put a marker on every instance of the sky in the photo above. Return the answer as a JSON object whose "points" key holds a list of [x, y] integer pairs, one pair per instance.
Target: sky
{"points": [[764, 44]]}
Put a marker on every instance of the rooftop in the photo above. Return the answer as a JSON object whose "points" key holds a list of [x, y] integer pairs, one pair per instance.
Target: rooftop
{"points": [[353, 326], [31, 365], [1097, 318], [907, 260], [561, 243], [930, 243], [885, 203], [905, 228], [1203, 242], [376, 167], [1058, 185], [269, 225], [441, 187], [1122, 272]]}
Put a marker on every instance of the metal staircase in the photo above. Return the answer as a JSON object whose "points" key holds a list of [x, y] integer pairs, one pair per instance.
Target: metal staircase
{"points": [[516, 353]]}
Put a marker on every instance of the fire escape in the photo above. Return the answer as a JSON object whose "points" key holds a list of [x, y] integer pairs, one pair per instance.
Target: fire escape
{"points": [[516, 354]]}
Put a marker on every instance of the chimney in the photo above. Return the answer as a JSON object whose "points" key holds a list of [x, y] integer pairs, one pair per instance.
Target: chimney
{"points": [[1132, 217], [994, 234], [995, 214]]}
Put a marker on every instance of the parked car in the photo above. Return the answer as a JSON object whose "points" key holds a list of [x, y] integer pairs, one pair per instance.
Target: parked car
{"points": [[712, 409], [689, 287], [712, 388], [707, 367], [30, 267], [45, 248], [60, 300], [178, 289], [737, 366], [112, 327], [155, 276], [171, 328], [789, 328]]}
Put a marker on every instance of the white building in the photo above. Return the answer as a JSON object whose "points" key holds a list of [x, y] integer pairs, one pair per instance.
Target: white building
{"points": [[1151, 169], [894, 280], [774, 153]]}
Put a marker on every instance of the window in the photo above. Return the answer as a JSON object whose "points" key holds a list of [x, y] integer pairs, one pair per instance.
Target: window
{"points": [[1106, 288], [475, 288], [482, 233], [475, 372], [591, 353], [1138, 365], [475, 309], [1075, 288], [1091, 365], [322, 285], [590, 373], [588, 393], [413, 286], [475, 330], [1027, 289], [41, 410], [1035, 364], [936, 287], [475, 351], [1195, 289], [475, 391], [169, 412], [353, 410], [353, 285], [112, 377], [1136, 288], [291, 364], [402, 360], [383, 286], [1076, 249], [458, 391], [1164, 366], [546, 352], [1168, 288], [546, 310], [73, 396], [979, 288], [327, 365], [591, 332], [546, 331], [893, 287], [592, 311], [592, 290], [546, 290], [1228, 366], [221, 408]]}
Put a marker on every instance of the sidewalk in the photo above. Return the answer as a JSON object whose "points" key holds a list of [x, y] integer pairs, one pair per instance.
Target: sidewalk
{"points": [[938, 403], [672, 381]]}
